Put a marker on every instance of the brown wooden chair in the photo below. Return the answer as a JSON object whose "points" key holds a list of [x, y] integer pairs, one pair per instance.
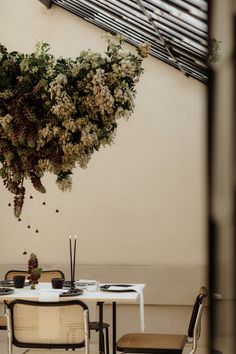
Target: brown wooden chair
{"points": [[52, 326], [166, 343]]}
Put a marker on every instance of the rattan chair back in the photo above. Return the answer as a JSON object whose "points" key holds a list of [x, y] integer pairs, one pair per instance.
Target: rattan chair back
{"points": [[49, 325], [45, 277], [11, 273]]}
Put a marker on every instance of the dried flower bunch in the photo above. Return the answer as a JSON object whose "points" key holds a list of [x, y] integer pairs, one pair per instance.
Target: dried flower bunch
{"points": [[56, 112]]}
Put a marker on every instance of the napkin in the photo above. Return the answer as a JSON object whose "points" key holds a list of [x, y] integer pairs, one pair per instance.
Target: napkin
{"points": [[48, 295], [120, 288], [138, 289]]}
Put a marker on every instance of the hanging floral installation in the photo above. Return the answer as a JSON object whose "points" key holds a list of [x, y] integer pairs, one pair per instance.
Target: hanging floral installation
{"points": [[56, 112]]}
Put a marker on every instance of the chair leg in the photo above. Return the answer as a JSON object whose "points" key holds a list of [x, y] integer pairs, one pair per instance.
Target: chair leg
{"points": [[103, 343], [107, 340], [104, 346]]}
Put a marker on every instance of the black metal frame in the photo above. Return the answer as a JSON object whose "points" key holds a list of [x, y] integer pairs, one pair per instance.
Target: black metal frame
{"points": [[44, 304], [101, 346], [195, 312], [47, 3], [181, 27], [199, 301]]}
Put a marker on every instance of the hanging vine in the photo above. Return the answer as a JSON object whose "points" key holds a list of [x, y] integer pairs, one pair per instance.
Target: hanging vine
{"points": [[56, 112]]}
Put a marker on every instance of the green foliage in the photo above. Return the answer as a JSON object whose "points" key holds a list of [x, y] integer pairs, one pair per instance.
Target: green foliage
{"points": [[214, 51], [36, 272], [54, 113]]}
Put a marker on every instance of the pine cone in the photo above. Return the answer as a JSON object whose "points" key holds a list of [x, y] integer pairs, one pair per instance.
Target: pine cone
{"points": [[32, 263], [35, 274]]}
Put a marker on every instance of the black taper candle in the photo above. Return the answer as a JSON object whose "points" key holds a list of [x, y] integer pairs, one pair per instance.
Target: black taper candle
{"points": [[74, 261], [71, 274]]}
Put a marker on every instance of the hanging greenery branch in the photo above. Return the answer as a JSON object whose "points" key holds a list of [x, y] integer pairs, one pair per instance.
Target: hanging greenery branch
{"points": [[56, 112], [214, 55]]}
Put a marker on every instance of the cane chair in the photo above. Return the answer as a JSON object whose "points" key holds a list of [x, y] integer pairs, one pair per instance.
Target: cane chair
{"points": [[48, 325], [166, 343], [46, 276]]}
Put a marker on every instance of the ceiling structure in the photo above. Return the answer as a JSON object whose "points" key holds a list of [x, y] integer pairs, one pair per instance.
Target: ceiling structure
{"points": [[176, 29]]}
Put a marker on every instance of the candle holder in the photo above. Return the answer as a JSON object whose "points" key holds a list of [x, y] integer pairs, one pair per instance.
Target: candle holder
{"points": [[72, 291]]}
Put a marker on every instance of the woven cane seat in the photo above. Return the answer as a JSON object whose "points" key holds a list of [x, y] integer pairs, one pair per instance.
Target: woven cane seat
{"points": [[3, 322], [148, 343]]}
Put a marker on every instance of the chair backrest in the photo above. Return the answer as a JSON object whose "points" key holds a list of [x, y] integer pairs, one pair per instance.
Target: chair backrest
{"points": [[51, 325], [46, 275], [194, 328]]}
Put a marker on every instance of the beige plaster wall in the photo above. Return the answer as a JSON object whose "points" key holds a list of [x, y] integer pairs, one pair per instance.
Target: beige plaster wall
{"points": [[141, 201]]}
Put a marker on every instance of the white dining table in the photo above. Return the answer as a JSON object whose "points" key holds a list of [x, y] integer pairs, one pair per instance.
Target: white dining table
{"points": [[44, 292]]}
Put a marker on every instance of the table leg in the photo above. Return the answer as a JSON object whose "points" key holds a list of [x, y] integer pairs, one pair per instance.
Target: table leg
{"points": [[114, 327], [101, 340]]}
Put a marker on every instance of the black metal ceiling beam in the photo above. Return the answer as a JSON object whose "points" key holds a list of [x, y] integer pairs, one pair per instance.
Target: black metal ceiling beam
{"points": [[176, 29], [47, 3], [162, 39]]}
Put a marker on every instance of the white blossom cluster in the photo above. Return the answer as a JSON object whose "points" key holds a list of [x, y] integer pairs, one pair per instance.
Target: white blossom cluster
{"points": [[55, 113]]}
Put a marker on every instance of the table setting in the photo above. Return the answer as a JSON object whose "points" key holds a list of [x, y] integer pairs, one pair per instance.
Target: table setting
{"points": [[86, 290]]}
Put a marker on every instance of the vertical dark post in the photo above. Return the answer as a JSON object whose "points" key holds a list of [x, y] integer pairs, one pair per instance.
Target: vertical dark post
{"points": [[114, 327], [234, 161], [211, 222], [221, 181], [101, 341]]}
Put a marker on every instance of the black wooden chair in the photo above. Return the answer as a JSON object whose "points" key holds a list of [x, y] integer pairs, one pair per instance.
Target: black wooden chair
{"points": [[166, 343]]}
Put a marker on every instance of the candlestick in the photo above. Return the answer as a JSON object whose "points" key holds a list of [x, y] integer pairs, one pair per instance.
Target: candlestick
{"points": [[73, 291]]}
